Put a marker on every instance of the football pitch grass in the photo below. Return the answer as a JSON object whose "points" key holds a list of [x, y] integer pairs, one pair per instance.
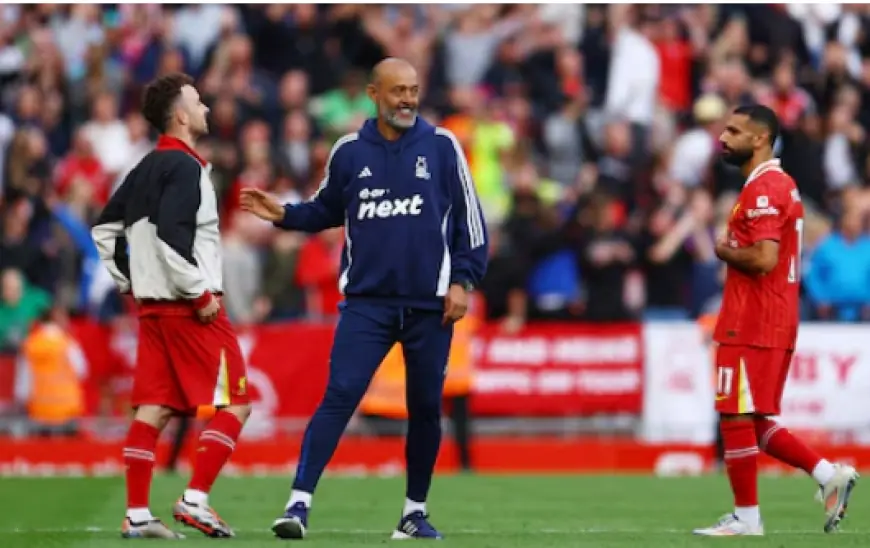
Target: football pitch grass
{"points": [[471, 511]]}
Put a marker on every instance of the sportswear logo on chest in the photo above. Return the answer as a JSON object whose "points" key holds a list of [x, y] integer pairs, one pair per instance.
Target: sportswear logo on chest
{"points": [[366, 172]]}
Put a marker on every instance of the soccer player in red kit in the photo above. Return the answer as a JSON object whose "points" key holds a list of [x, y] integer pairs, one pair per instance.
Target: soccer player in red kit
{"points": [[757, 327], [158, 237]]}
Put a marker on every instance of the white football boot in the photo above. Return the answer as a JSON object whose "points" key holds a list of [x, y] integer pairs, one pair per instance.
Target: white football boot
{"points": [[730, 526], [153, 528], [835, 495]]}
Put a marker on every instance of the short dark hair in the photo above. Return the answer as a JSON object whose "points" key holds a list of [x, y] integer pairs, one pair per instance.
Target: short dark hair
{"points": [[762, 115], [158, 97]]}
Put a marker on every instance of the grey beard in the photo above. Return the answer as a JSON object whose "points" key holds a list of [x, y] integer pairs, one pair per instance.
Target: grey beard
{"points": [[392, 119]]}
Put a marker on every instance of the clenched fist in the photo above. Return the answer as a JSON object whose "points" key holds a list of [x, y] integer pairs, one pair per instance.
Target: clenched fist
{"points": [[261, 204]]}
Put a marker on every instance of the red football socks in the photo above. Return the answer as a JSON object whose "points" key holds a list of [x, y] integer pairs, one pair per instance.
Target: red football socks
{"points": [[741, 460], [139, 460], [216, 444], [779, 443]]}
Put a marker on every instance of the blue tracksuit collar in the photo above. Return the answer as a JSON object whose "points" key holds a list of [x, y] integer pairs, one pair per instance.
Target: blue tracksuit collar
{"points": [[370, 132]]}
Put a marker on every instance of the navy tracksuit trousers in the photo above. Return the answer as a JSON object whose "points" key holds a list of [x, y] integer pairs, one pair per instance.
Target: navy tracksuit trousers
{"points": [[365, 334]]}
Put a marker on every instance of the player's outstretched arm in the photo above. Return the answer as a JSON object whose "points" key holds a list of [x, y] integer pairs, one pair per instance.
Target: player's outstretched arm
{"points": [[322, 211], [469, 247], [758, 258], [108, 235]]}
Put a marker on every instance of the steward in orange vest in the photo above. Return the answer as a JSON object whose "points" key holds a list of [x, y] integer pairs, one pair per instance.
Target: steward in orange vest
{"points": [[50, 374]]}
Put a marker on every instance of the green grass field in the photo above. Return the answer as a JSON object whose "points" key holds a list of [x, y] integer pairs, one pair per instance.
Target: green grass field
{"points": [[471, 511]]}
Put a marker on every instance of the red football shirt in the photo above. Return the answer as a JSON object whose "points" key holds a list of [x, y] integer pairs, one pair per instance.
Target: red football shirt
{"points": [[762, 311]]}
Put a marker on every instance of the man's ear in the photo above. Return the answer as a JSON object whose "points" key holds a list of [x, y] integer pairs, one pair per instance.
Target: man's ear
{"points": [[372, 92], [177, 114]]}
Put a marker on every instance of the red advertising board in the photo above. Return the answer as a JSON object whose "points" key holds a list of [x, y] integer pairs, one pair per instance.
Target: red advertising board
{"points": [[559, 370], [546, 370]]}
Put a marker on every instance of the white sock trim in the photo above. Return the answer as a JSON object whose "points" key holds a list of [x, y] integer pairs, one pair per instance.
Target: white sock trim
{"points": [[299, 496], [824, 472], [194, 496], [750, 515], [412, 506], [139, 515]]}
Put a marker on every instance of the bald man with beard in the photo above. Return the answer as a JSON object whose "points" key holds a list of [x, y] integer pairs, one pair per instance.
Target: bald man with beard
{"points": [[416, 246]]}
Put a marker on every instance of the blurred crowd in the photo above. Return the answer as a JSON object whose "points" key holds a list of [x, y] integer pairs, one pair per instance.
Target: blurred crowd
{"points": [[591, 131]]}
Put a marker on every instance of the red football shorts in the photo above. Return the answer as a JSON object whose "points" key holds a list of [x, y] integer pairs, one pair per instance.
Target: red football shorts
{"points": [[183, 364], [750, 379]]}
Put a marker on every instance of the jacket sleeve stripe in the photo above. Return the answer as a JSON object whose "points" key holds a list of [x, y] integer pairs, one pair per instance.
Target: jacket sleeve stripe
{"points": [[349, 138], [473, 217]]}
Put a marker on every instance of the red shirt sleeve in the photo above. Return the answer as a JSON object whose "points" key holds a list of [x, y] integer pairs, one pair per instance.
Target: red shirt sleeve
{"points": [[765, 210]]}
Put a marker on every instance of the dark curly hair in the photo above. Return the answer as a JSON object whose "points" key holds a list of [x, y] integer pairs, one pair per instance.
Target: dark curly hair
{"points": [[158, 98]]}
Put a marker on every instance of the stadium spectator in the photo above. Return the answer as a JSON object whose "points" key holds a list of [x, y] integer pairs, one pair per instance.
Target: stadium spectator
{"points": [[82, 167], [788, 101], [341, 110], [20, 306], [281, 299], [504, 292], [108, 135], [24, 244], [695, 149], [319, 268], [635, 74], [564, 141], [838, 273], [241, 273], [605, 254], [295, 145]]}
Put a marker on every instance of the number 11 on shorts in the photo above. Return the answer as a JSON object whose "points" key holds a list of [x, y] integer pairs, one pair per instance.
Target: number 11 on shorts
{"points": [[724, 378]]}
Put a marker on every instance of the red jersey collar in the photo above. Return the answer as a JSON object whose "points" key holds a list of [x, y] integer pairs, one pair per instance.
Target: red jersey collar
{"points": [[165, 142], [774, 164]]}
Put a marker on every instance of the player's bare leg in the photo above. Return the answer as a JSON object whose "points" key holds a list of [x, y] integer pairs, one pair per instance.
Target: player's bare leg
{"points": [[216, 444], [741, 464], [139, 448], [836, 481]]}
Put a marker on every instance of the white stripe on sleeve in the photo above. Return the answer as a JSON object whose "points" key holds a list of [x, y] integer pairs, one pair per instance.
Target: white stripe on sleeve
{"points": [[473, 217]]}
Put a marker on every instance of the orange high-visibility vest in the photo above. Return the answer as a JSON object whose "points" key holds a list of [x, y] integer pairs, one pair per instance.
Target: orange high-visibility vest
{"points": [[55, 390], [386, 394]]}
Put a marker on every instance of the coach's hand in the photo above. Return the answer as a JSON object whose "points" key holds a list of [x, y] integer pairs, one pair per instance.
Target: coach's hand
{"points": [[209, 312], [254, 200], [455, 304]]}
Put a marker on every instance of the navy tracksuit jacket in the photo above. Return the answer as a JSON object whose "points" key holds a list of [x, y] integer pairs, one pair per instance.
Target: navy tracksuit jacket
{"points": [[410, 211], [413, 227]]}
